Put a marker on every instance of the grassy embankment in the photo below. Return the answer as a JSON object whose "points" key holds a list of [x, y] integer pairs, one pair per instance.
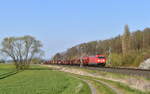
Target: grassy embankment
{"points": [[104, 89], [40, 82], [120, 86]]}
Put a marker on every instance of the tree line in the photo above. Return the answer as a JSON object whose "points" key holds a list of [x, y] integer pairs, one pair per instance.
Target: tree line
{"points": [[124, 46]]}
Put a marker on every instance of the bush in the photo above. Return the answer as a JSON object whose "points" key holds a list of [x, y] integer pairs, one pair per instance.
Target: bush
{"points": [[146, 54], [128, 59], [138, 60], [131, 59], [2, 61], [115, 60]]}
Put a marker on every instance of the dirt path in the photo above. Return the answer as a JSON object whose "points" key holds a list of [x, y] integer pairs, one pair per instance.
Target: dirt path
{"points": [[93, 89], [91, 86], [110, 86]]}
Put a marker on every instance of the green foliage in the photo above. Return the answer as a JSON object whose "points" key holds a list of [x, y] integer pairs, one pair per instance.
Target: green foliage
{"points": [[128, 59], [2, 61], [36, 61], [138, 60], [57, 56], [115, 60], [132, 59], [146, 53]]}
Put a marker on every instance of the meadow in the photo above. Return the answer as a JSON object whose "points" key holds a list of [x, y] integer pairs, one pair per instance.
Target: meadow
{"points": [[40, 82]]}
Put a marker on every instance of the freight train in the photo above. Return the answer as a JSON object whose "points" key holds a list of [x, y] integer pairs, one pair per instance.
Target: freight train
{"points": [[97, 60]]}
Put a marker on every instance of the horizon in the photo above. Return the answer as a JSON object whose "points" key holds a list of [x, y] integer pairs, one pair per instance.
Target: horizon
{"points": [[60, 25]]}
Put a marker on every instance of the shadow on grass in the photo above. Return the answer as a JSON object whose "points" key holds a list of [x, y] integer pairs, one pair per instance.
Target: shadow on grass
{"points": [[5, 75]]}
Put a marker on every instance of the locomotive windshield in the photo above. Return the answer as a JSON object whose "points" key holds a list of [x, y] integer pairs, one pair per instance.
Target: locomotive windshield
{"points": [[101, 57]]}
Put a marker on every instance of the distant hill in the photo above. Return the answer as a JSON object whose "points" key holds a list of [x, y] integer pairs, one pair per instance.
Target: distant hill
{"points": [[129, 49]]}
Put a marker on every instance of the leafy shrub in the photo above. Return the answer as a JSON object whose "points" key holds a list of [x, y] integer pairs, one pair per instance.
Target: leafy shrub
{"points": [[130, 59], [115, 60], [138, 60]]}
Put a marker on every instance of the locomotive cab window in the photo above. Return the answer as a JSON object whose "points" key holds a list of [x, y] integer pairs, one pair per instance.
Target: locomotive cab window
{"points": [[101, 57]]}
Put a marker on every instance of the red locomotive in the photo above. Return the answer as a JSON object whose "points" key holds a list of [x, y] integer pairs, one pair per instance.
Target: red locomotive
{"points": [[95, 60], [98, 60]]}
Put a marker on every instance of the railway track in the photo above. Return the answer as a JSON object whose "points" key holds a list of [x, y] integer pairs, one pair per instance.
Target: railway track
{"points": [[127, 71]]}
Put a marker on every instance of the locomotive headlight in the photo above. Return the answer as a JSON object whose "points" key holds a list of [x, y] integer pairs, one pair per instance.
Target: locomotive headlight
{"points": [[99, 60]]}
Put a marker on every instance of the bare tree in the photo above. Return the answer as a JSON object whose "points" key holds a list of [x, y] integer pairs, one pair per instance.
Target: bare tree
{"points": [[22, 50]]}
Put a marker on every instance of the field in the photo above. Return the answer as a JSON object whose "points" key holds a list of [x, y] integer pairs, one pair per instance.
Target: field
{"points": [[66, 80], [40, 82]]}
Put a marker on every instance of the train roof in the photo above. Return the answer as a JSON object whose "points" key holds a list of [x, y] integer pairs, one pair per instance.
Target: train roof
{"points": [[95, 56]]}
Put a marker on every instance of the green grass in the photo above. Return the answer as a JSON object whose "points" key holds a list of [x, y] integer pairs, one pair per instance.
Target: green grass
{"points": [[42, 82]]}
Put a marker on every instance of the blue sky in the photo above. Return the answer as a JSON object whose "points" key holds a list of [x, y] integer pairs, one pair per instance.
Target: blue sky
{"points": [[61, 24]]}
